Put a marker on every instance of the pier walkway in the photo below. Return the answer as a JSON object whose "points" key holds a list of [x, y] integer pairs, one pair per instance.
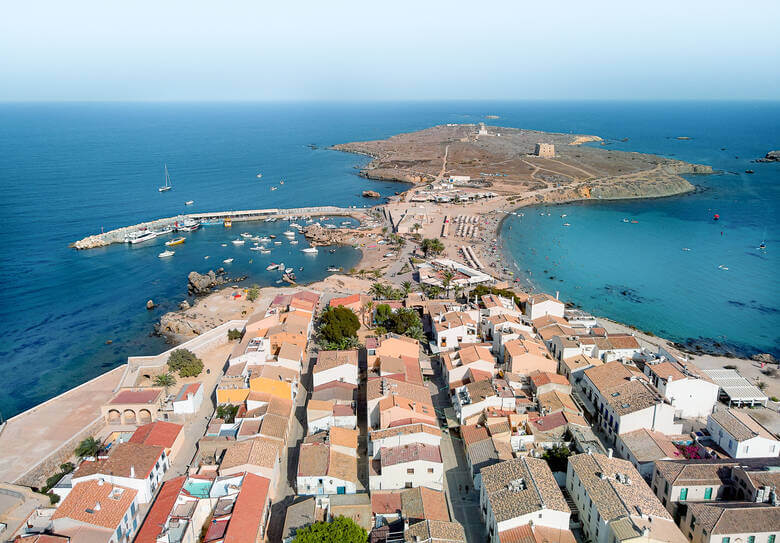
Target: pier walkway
{"points": [[118, 235]]}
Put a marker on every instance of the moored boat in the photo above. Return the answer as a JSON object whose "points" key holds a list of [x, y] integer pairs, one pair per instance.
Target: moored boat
{"points": [[238, 242], [166, 254], [310, 250], [228, 260], [140, 237]]}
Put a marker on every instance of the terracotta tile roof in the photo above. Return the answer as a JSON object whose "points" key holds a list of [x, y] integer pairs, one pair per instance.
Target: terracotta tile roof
{"points": [[346, 300], [384, 386], [473, 353], [473, 433], [435, 531], [249, 510], [541, 298], [736, 518], [342, 466], [340, 410], [332, 359], [98, 504], [623, 341], [649, 446], [574, 363], [274, 426], [335, 390], [279, 373], [549, 332], [160, 510], [542, 378], [665, 369], [424, 503], [255, 452], [250, 427], [280, 406], [313, 460], [614, 499], [740, 425], [158, 434], [121, 459], [191, 388], [344, 437], [141, 396], [548, 320], [511, 498], [535, 534], [391, 364], [453, 319], [405, 430], [290, 351], [409, 453], [386, 502], [553, 401]]}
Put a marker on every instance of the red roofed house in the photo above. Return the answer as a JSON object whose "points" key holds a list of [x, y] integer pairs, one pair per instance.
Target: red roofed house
{"points": [[177, 513], [167, 435], [189, 399]]}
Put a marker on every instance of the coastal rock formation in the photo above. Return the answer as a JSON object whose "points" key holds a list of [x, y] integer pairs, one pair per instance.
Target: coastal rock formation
{"points": [[91, 242], [150, 304], [507, 162], [771, 156], [316, 235], [200, 284], [764, 358], [184, 305], [371, 194]]}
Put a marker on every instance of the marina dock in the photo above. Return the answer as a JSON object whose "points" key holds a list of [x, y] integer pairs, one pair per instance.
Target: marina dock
{"points": [[118, 235]]}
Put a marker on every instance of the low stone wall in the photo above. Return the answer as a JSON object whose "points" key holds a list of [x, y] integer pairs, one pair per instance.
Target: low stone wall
{"points": [[37, 475]]}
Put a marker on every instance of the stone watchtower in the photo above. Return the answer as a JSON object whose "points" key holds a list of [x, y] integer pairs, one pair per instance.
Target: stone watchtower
{"points": [[544, 150]]}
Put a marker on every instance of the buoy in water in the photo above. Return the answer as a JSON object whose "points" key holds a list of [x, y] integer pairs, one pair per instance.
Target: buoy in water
{"points": [[716, 217]]}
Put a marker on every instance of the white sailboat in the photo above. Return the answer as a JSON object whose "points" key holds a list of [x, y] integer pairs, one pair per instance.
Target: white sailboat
{"points": [[167, 185]]}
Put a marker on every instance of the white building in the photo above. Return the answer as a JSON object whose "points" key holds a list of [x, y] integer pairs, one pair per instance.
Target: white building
{"points": [[341, 366], [407, 466], [692, 395], [644, 447], [540, 305], [455, 364], [518, 492], [290, 356], [452, 329], [402, 436], [189, 399], [471, 400], [130, 465], [97, 511], [740, 435], [623, 401], [325, 468], [615, 504]]}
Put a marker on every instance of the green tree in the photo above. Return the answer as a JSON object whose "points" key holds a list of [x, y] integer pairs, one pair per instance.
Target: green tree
{"points": [[377, 290], [88, 447], [253, 293], [227, 413], [383, 313], [233, 334], [557, 457], [446, 281], [339, 530], [185, 363], [432, 247], [368, 311], [165, 380], [338, 323], [406, 288]]}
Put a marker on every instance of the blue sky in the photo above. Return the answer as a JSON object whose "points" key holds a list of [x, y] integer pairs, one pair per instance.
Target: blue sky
{"points": [[399, 50]]}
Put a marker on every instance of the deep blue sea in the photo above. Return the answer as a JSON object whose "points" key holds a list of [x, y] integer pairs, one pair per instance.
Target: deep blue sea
{"points": [[68, 170]]}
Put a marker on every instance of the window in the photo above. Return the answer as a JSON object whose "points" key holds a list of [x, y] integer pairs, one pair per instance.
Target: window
{"points": [[751, 539], [725, 540], [119, 533], [683, 494], [410, 471], [771, 539], [430, 470], [708, 494]]}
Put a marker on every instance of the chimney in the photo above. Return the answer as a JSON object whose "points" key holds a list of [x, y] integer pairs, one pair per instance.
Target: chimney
{"points": [[609, 453], [100, 482], [669, 379], [132, 472], [97, 506]]}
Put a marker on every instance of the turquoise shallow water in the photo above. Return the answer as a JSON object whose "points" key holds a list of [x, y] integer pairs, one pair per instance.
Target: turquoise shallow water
{"points": [[68, 170]]}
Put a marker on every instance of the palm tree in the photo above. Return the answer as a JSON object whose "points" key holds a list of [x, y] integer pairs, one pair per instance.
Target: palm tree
{"points": [[368, 309], [88, 447], [377, 290], [446, 281], [416, 226], [457, 289], [165, 380], [406, 287]]}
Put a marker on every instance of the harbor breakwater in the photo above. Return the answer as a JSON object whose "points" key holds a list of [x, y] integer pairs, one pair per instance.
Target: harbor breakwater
{"points": [[118, 235]]}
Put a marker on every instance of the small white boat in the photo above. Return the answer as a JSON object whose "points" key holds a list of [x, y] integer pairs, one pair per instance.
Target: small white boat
{"points": [[256, 248], [295, 225], [289, 233], [224, 245], [259, 176], [334, 269], [345, 223], [274, 188], [189, 202], [272, 266], [238, 242], [310, 250], [140, 237], [685, 249], [264, 238], [228, 260], [164, 230], [264, 251], [566, 224], [277, 242], [564, 215], [246, 235], [293, 242], [166, 254], [288, 270], [188, 225], [206, 257]]}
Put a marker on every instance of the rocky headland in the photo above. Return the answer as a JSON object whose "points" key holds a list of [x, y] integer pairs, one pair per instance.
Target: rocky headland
{"points": [[505, 158], [771, 156]]}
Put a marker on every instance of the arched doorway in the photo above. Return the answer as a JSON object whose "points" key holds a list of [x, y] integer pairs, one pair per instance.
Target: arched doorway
{"points": [[128, 417]]}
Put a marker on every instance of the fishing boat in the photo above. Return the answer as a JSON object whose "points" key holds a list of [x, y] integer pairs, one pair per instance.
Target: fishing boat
{"points": [[272, 266], [264, 251], [293, 242], [166, 254], [272, 236], [289, 233], [259, 176], [227, 223], [167, 186], [310, 250], [228, 260], [140, 237], [277, 242], [189, 202], [189, 225], [175, 241], [716, 217], [626, 219], [206, 257], [246, 235], [289, 270], [238, 242], [281, 182], [164, 230], [762, 246], [274, 188]]}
